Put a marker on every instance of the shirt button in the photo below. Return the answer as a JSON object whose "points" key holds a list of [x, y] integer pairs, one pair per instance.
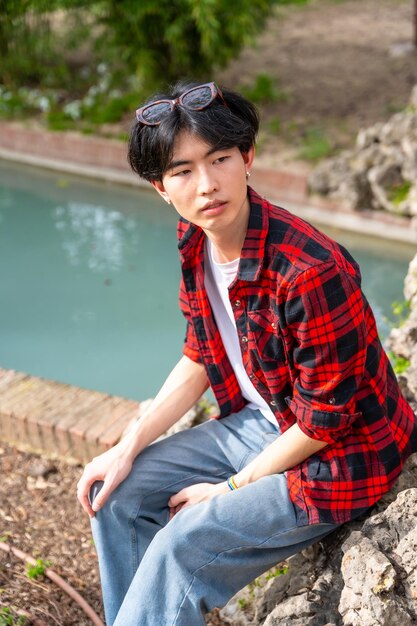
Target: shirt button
{"points": [[273, 325], [251, 376], [273, 403], [332, 400], [244, 339], [237, 303]]}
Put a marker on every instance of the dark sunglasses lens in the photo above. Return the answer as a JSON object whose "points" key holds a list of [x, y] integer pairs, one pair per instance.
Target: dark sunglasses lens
{"points": [[197, 98], [154, 113]]}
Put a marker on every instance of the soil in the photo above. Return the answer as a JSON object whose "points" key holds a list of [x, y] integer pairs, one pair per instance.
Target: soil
{"points": [[39, 514], [343, 65]]}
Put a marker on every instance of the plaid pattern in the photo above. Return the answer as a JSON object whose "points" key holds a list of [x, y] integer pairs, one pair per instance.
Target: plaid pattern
{"points": [[310, 345]]}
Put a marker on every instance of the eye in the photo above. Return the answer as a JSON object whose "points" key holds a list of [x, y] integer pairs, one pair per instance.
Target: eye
{"points": [[221, 159], [181, 173]]}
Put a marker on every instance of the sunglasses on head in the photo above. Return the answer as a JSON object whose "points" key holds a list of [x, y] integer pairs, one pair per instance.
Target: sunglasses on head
{"points": [[194, 99]]}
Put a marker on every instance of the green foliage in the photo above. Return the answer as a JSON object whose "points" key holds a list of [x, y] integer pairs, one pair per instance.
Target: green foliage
{"points": [[393, 107], [264, 91], [74, 61], [105, 109], [399, 193], [399, 363], [401, 310], [316, 145], [32, 42], [171, 39], [275, 125], [279, 571], [37, 570], [9, 617], [243, 603], [59, 120], [158, 42]]}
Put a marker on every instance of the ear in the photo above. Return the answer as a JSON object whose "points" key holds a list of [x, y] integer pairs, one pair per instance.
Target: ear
{"points": [[159, 186], [248, 158]]}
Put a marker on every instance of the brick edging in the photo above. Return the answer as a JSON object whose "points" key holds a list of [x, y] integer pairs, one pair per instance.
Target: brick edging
{"points": [[61, 419]]}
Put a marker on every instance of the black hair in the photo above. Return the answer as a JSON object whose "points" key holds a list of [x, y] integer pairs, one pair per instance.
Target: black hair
{"points": [[222, 127]]}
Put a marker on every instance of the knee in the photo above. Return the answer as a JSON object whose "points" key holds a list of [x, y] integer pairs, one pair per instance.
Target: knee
{"points": [[119, 506]]}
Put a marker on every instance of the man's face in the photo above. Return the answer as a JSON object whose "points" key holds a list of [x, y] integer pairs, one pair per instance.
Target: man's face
{"points": [[207, 186]]}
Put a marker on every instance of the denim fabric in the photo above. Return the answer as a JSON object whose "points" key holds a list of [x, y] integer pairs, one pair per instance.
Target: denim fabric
{"points": [[159, 573]]}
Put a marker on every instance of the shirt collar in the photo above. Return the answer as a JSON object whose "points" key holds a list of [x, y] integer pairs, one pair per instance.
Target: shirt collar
{"points": [[252, 254]]}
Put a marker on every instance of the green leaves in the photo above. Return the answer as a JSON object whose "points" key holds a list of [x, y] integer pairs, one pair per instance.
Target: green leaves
{"points": [[37, 570], [9, 618]]}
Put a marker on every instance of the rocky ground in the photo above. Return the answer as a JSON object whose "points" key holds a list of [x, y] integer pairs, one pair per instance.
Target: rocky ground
{"points": [[380, 173]]}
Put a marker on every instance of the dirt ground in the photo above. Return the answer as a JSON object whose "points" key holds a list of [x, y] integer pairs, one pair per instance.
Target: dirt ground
{"points": [[343, 65], [39, 514]]}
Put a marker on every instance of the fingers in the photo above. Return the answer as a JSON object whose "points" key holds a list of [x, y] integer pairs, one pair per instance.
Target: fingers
{"points": [[87, 490], [101, 497], [83, 491], [173, 510], [85, 503], [179, 497]]}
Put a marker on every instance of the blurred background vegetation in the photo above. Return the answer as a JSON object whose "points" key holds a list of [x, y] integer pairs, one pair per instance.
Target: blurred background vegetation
{"points": [[80, 64], [319, 70]]}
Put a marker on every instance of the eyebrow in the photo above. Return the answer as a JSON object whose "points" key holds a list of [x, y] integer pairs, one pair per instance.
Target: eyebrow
{"points": [[175, 164]]}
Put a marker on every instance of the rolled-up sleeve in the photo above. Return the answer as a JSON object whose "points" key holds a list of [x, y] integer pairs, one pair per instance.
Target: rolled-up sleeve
{"points": [[325, 317], [190, 346]]}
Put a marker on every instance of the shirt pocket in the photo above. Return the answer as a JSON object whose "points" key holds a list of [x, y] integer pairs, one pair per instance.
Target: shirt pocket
{"points": [[264, 337]]}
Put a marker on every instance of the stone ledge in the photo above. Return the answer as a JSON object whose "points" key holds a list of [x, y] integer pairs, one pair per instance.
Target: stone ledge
{"points": [[60, 419]]}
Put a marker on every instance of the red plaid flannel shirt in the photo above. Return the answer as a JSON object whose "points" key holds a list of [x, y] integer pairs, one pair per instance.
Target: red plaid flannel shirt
{"points": [[310, 346]]}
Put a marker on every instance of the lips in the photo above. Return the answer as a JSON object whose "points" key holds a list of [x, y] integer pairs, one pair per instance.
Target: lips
{"points": [[213, 205]]}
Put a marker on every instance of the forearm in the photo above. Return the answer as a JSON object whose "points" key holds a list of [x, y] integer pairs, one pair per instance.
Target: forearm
{"points": [[182, 389], [289, 449]]}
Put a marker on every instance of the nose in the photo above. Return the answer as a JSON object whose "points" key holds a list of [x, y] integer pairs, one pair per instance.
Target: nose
{"points": [[207, 181]]}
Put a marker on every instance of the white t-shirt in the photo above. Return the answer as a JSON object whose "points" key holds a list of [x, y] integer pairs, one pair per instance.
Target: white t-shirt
{"points": [[217, 278]]}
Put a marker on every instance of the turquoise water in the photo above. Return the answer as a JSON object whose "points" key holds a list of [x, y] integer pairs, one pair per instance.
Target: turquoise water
{"points": [[89, 281]]}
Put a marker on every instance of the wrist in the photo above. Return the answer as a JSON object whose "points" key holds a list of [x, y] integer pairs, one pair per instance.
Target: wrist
{"points": [[222, 487], [231, 483], [128, 447]]}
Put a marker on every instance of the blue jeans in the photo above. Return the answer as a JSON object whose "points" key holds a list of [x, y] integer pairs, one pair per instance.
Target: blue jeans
{"points": [[159, 573]]}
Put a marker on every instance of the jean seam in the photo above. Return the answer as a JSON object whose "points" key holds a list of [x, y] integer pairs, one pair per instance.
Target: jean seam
{"points": [[258, 545], [183, 600], [194, 573], [134, 543]]}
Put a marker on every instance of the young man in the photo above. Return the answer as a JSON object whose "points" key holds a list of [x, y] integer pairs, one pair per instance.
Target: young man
{"points": [[313, 428]]}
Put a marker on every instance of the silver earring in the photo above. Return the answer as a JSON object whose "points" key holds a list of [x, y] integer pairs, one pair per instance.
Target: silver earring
{"points": [[168, 200], [247, 175]]}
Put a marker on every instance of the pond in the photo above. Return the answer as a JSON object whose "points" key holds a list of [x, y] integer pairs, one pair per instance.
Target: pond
{"points": [[89, 281]]}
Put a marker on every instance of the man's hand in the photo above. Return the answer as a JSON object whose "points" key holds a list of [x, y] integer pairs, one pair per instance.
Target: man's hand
{"points": [[111, 467], [195, 494]]}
